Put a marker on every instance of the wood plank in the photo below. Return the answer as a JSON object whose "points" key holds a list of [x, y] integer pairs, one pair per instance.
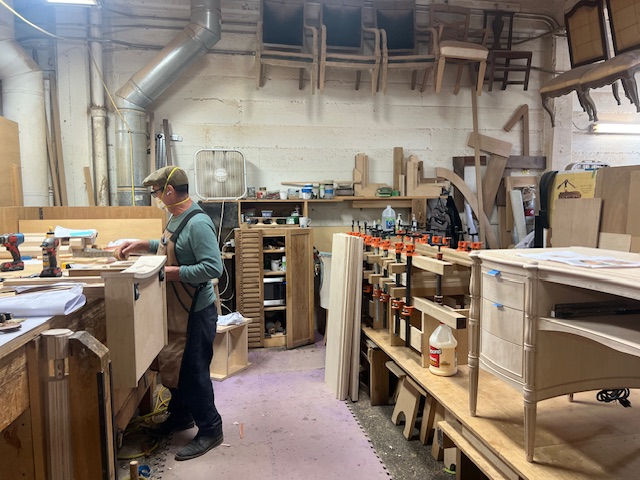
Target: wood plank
{"points": [[473, 202], [633, 220], [613, 186], [441, 313], [576, 222], [16, 185], [9, 162], [108, 230], [89, 183], [521, 113], [476, 147], [398, 166], [57, 134], [491, 182], [614, 241], [489, 144]]}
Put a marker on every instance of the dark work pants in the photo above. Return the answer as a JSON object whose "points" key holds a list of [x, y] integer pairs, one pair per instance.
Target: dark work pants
{"points": [[194, 395]]}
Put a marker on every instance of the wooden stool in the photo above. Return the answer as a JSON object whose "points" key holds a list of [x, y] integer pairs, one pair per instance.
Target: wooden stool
{"points": [[398, 372], [407, 404]]}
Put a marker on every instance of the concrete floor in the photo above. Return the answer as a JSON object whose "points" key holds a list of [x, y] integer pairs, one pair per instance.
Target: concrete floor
{"points": [[281, 422]]}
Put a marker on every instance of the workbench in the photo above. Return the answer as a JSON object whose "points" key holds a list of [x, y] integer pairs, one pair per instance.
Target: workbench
{"points": [[583, 439]]}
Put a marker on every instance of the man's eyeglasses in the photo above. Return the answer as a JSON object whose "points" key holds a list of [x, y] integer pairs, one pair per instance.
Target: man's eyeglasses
{"points": [[154, 193]]}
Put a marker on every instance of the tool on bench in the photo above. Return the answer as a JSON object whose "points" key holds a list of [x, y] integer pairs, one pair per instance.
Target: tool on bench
{"points": [[50, 267], [11, 241], [8, 323]]}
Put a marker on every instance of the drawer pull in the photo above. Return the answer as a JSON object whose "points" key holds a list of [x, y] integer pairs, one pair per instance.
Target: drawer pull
{"points": [[498, 305], [493, 273]]}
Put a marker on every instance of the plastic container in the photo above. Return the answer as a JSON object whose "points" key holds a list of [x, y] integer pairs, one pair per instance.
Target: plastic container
{"points": [[306, 192], [283, 263], [443, 360], [388, 218], [328, 191]]}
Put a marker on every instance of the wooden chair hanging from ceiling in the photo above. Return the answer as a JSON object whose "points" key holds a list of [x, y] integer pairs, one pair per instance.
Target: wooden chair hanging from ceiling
{"points": [[282, 40], [502, 58], [587, 40], [342, 41], [401, 50], [452, 23], [624, 22]]}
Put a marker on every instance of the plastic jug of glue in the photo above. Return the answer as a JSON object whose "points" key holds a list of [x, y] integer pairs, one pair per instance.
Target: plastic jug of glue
{"points": [[443, 360], [388, 219]]}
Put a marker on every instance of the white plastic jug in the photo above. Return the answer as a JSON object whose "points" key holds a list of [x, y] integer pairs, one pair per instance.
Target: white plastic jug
{"points": [[443, 360], [388, 219]]}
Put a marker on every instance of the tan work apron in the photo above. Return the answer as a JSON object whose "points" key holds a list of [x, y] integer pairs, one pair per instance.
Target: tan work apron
{"points": [[170, 357]]}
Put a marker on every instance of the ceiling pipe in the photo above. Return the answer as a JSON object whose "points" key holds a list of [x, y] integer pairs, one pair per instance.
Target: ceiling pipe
{"points": [[23, 103], [147, 85]]}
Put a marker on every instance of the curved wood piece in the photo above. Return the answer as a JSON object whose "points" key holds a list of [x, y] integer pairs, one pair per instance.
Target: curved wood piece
{"points": [[492, 241]]}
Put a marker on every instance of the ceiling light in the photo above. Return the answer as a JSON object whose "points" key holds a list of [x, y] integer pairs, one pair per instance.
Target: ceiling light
{"points": [[74, 2], [621, 128]]}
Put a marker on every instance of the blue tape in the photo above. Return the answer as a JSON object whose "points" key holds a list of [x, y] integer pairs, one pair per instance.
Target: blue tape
{"points": [[498, 305], [494, 273]]}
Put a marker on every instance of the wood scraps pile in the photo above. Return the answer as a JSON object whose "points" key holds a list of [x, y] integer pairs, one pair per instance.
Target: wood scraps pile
{"points": [[343, 322]]}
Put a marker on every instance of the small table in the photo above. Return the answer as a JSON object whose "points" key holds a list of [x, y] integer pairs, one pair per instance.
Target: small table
{"points": [[230, 350]]}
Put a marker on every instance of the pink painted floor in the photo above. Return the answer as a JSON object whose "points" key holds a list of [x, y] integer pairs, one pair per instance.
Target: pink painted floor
{"points": [[292, 427]]}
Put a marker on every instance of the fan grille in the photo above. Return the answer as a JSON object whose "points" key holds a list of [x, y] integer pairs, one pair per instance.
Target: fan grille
{"points": [[220, 174]]}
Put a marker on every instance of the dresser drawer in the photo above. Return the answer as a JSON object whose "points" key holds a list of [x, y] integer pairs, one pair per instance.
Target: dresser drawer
{"points": [[502, 321], [504, 288], [505, 357]]}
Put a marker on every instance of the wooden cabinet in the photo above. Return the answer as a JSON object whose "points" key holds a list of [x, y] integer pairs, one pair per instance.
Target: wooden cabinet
{"points": [[290, 303]]}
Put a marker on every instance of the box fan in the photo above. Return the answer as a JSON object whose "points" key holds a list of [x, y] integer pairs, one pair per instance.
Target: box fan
{"points": [[220, 174]]}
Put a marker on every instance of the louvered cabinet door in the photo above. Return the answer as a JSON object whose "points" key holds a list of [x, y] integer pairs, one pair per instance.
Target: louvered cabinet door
{"points": [[249, 286]]}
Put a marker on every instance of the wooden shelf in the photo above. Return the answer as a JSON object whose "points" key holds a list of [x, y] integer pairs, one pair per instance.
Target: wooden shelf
{"points": [[271, 273], [274, 250], [619, 332], [276, 308]]}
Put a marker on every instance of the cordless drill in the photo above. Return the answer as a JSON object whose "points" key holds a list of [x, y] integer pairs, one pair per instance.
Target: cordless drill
{"points": [[50, 266], [11, 242]]}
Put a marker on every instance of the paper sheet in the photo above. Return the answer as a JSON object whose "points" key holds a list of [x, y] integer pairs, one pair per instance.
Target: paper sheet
{"points": [[580, 260], [234, 318], [44, 303]]}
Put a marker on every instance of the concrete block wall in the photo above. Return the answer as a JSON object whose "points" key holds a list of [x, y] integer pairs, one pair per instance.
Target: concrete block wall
{"points": [[288, 134]]}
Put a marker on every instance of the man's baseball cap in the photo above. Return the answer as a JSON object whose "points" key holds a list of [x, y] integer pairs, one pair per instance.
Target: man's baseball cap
{"points": [[175, 176]]}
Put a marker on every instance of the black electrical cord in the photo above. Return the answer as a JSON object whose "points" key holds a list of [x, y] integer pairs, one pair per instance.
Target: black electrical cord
{"points": [[619, 394]]}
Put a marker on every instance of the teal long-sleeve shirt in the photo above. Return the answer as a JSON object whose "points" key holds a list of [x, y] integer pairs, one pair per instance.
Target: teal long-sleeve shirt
{"points": [[197, 252]]}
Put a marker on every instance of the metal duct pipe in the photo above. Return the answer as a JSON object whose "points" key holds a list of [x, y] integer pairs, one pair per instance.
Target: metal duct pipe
{"points": [[147, 85], [23, 103], [98, 111]]}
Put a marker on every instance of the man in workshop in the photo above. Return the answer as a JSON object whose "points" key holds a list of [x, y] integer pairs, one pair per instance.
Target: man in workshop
{"points": [[193, 259]]}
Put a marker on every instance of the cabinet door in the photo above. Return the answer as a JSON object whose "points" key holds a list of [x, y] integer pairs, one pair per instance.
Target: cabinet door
{"points": [[249, 282], [299, 247]]}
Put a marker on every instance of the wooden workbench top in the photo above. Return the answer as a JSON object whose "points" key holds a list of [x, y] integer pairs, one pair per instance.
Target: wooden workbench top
{"points": [[585, 439]]}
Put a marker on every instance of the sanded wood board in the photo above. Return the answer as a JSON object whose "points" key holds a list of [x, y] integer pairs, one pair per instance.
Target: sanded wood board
{"points": [[633, 219], [620, 242], [576, 222], [108, 230], [613, 186]]}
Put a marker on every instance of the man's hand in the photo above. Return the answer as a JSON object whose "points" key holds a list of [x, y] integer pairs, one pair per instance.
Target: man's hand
{"points": [[172, 273], [124, 250]]}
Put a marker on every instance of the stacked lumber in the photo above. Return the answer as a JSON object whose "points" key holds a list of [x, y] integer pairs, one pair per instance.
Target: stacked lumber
{"points": [[343, 322]]}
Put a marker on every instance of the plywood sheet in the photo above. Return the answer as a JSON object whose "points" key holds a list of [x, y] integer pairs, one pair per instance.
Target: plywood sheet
{"points": [[10, 190], [633, 219], [576, 222], [614, 241], [613, 187]]}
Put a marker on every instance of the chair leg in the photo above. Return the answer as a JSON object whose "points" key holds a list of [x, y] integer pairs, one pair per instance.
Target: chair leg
{"points": [[492, 69], [358, 77], [505, 77], [456, 90], [481, 70], [385, 72], [614, 89], [374, 78], [323, 66], [547, 107], [414, 78], [423, 87], [632, 88], [313, 71], [528, 72], [440, 73], [259, 70], [301, 79]]}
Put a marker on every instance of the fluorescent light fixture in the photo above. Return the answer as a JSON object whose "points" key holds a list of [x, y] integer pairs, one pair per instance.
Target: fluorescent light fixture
{"points": [[620, 128], [74, 2]]}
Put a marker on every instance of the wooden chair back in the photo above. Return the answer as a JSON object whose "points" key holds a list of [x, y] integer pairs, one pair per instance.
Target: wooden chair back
{"points": [[283, 24], [452, 21], [397, 19], [343, 20], [624, 20], [586, 34]]}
